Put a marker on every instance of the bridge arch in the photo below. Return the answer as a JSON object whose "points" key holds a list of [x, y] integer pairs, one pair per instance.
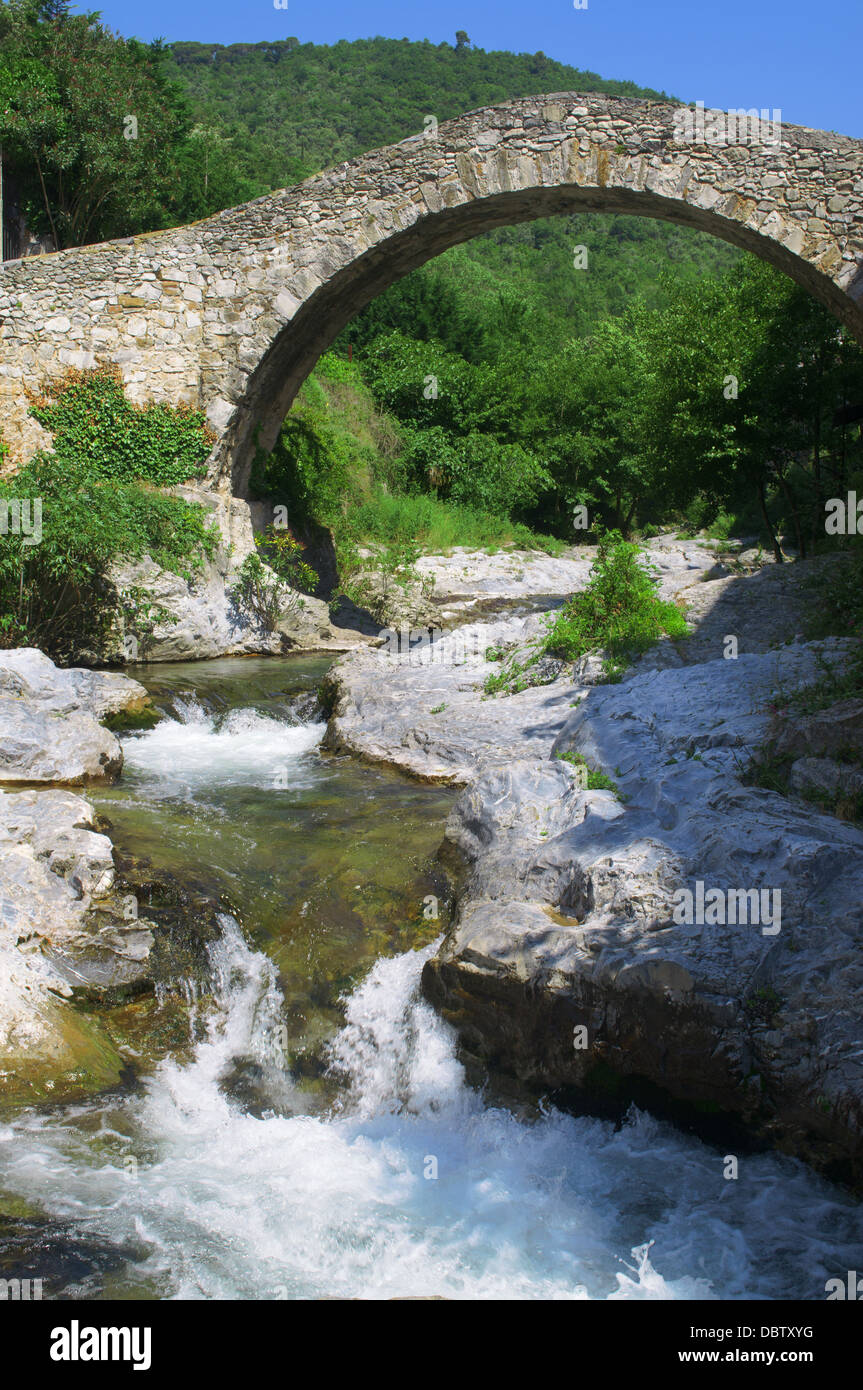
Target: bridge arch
{"points": [[231, 314]]}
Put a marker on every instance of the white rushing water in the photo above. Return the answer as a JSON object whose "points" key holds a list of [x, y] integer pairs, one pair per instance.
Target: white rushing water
{"points": [[222, 1203], [241, 748], [411, 1185]]}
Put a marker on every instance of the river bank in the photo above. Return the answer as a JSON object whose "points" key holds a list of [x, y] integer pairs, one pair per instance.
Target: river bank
{"points": [[565, 965], [290, 1117]]}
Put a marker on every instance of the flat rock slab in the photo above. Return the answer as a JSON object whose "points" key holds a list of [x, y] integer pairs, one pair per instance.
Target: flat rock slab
{"points": [[762, 611], [471, 580], [427, 714], [28, 674], [430, 718]]}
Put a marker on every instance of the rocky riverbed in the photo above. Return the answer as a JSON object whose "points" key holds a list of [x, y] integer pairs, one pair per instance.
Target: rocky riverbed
{"points": [[63, 922], [575, 961], [567, 965]]}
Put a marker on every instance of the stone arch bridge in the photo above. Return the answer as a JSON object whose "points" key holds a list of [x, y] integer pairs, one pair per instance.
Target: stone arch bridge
{"points": [[230, 314]]}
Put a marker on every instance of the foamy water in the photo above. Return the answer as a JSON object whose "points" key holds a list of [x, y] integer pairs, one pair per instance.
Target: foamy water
{"points": [[410, 1185], [239, 748]]}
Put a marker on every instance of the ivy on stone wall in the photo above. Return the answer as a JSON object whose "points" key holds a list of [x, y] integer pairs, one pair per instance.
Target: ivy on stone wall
{"points": [[93, 499], [94, 422]]}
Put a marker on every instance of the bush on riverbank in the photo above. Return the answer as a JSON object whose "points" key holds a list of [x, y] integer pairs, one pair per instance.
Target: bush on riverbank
{"points": [[271, 588], [54, 588], [92, 500], [619, 612]]}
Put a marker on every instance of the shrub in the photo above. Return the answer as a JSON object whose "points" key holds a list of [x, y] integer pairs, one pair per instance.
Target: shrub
{"points": [[284, 555], [475, 470], [619, 611], [262, 594], [96, 506], [56, 594], [836, 597], [594, 780], [494, 477], [372, 582], [514, 677], [334, 368]]}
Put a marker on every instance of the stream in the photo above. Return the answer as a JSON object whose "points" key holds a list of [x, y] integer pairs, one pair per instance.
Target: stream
{"points": [[303, 1128]]}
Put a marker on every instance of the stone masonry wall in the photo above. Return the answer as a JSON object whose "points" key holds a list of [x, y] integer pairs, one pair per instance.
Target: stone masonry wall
{"points": [[231, 313]]}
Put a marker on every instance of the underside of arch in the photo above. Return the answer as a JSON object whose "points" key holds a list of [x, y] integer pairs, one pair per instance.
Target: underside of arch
{"points": [[291, 357]]}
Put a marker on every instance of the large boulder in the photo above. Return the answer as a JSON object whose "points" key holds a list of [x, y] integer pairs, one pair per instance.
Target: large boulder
{"points": [[569, 964], [56, 868], [39, 746], [825, 779], [49, 719]]}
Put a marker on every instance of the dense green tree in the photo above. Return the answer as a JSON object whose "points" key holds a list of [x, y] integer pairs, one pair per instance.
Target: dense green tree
{"points": [[295, 108], [580, 413], [745, 376], [99, 139], [427, 306]]}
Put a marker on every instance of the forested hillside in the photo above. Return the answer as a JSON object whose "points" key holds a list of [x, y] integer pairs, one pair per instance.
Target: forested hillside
{"points": [[292, 109]]}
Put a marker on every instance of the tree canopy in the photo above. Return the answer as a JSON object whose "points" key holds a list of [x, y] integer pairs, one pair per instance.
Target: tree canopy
{"points": [[99, 138]]}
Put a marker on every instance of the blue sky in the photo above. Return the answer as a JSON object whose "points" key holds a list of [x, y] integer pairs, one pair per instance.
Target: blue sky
{"points": [[803, 56]]}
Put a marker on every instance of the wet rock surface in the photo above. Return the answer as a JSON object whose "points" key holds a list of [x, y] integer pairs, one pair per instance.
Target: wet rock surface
{"points": [[70, 933], [55, 866], [27, 674], [80, 933]]}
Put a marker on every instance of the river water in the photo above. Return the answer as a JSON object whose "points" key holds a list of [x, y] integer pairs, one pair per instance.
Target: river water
{"points": [[314, 1135]]}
